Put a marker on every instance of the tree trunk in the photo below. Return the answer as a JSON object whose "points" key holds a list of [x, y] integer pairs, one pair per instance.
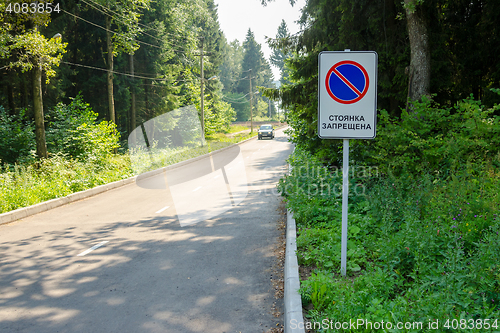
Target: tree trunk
{"points": [[41, 146], [10, 98], [25, 80], [146, 99], [420, 64], [109, 44], [251, 100]]}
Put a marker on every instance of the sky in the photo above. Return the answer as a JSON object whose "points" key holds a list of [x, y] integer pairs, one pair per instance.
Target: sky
{"points": [[236, 16]]}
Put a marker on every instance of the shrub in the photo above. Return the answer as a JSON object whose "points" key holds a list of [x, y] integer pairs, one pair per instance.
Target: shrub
{"points": [[75, 131], [218, 116], [431, 138], [17, 137], [422, 246]]}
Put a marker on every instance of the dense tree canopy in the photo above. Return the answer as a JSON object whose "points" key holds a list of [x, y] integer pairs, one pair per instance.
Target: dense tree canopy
{"points": [[130, 60], [243, 64], [443, 48]]}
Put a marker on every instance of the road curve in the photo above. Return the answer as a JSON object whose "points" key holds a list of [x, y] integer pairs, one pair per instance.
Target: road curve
{"points": [[122, 261]]}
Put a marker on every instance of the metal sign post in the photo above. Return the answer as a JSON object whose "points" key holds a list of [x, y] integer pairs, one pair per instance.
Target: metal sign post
{"points": [[345, 201], [347, 109]]}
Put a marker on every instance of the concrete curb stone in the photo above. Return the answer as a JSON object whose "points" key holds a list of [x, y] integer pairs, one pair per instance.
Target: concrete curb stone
{"points": [[294, 320]]}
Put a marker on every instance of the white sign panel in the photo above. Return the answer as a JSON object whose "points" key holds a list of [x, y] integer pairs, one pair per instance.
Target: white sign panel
{"points": [[347, 96]]}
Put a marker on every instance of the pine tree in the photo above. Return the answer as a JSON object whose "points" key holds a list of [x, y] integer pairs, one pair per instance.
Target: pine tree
{"points": [[278, 57], [254, 60]]}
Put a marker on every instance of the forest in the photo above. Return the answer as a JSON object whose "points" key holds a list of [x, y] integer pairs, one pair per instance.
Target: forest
{"points": [[79, 76], [129, 60], [456, 54]]}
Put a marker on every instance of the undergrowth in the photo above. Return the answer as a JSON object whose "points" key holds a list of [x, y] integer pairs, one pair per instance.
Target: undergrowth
{"points": [[424, 237]]}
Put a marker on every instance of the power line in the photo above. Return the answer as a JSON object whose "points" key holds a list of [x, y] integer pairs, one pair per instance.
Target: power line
{"points": [[119, 73], [108, 30], [142, 32], [237, 101], [117, 33], [118, 14]]}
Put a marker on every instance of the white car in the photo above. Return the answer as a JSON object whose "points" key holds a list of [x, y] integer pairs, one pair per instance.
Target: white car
{"points": [[266, 131]]}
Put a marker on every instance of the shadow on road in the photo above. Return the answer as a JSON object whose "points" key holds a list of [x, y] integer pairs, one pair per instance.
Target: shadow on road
{"points": [[152, 276]]}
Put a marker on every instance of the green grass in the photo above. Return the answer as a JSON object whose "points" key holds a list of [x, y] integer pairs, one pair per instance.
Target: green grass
{"points": [[220, 137], [25, 185], [421, 247], [22, 186], [237, 128]]}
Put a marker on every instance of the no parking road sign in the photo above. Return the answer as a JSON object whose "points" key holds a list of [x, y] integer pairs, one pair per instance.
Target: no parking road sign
{"points": [[347, 109], [347, 105]]}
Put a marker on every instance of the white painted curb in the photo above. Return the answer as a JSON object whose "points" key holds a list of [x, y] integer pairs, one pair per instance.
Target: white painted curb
{"points": [[294, 321], [47, 205]]}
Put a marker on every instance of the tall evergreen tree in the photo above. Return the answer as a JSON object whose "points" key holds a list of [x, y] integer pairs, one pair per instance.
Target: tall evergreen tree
{"points": [[230, 70], [278, 57], [253, 59]]}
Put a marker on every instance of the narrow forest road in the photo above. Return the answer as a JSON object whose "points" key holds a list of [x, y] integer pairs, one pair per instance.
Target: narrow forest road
{"points": [[134, 259]]}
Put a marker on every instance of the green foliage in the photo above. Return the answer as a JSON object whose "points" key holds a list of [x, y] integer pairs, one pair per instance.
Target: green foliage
{"points": [[236, 128], [18, 138], [255, 64], [218, 116], [240, 104], [57, 176], [243, 63], [230, 70], [423, 233], [435, 139], [422, 246], [124, 14], [33, 49], [455, 28], [60, 175], [278, 57], [75, 131], [313, 192]]}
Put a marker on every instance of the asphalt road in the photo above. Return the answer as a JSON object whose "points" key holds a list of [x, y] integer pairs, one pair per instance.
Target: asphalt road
{"points": [[193, 256]]}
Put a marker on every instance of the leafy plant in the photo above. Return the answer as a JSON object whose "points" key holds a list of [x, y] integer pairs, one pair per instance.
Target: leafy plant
{"points": [[18, 138], [74, 130], [422, 245]]}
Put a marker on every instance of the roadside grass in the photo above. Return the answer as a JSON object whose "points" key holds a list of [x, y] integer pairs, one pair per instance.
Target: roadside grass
{"points": [[221, 137], [422, 248], [237, 128], [58, 176]]}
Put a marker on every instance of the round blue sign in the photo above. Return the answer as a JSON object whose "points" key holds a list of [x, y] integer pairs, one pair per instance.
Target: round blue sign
{"points": [[347, 82]]}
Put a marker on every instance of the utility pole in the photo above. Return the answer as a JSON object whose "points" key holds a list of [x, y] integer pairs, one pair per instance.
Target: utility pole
{"points": [[132, 95], [251, 100], [201, 104]]}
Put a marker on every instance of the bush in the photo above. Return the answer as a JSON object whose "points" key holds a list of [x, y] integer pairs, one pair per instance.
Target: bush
{"points": [[74, 131], [435, 139], [218, 116], [422, 247], [17, 137]]}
